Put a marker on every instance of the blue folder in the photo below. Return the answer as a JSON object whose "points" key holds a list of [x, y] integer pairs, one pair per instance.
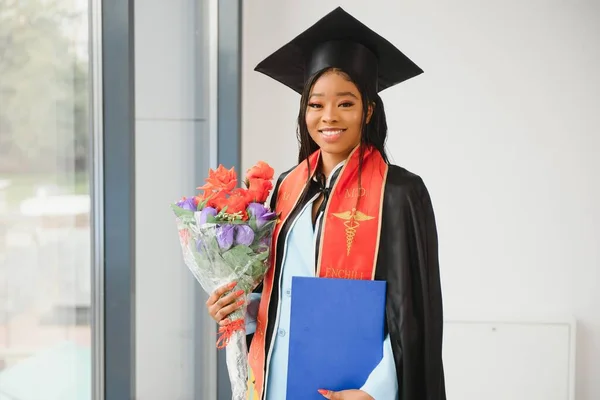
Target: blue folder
{"points": [[336, 334]]}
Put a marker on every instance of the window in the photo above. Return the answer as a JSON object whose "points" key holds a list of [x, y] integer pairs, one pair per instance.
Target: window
{"points": [[45, 234]]}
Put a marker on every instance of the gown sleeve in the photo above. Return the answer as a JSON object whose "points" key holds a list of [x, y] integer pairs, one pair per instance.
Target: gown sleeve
{"points": [[409, 263]]}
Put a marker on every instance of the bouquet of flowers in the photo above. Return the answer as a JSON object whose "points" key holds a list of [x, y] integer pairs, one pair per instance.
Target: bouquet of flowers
{"points": [[225, 234]]}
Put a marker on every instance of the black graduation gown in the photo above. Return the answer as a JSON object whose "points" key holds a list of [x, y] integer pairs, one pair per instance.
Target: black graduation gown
{"points": [[408, 261]]}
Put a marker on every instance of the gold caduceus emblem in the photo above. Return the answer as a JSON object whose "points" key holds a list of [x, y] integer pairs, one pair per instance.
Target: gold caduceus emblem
{"points": [[352, 221]]}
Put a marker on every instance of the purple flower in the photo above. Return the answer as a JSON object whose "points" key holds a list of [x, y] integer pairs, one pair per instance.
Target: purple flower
{"points": [[244, 235], [256, 210], [225, 236], [187, 204], [260, 213], [206, 211], [266, 217]]}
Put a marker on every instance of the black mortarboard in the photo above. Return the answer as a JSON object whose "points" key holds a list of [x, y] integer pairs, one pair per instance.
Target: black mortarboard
{"points": [[339, 40]]}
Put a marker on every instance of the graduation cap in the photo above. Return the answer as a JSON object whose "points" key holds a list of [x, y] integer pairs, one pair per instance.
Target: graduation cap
{"points": [[339, 40]]}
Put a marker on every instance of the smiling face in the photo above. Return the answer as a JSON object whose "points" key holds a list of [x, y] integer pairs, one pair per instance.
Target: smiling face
{"points": [[334, 116]]}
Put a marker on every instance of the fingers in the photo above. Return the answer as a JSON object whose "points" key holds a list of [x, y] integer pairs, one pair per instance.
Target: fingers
{"points": [[227, 300], [222, 313], [218, 293], [328, 394], [220, 306]]}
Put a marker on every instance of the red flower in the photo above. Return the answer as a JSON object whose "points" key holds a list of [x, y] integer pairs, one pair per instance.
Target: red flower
{"points": [[217, 201], [206, 195], [259, 189], [238, 203], [240, 192], [261, 170], [220, 179]]}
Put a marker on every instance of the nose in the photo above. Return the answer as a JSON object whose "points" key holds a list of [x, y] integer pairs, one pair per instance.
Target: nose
{"points": [[329, 114]]}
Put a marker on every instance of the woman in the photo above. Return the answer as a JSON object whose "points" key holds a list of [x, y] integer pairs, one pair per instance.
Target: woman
{"points": [[343, 179]]}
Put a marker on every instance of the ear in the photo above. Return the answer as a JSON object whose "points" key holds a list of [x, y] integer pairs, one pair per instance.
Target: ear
{"points": [[370, 112]]}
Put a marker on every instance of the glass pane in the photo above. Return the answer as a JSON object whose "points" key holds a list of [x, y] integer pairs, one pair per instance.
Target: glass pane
{"points": [[45, 235]]}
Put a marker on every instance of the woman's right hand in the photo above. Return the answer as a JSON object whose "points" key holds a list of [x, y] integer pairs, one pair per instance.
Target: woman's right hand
{"points": [[219, 306]]}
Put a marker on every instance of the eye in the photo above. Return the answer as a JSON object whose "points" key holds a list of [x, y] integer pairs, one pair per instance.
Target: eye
{"points": [[346, 104], [314, 105]]}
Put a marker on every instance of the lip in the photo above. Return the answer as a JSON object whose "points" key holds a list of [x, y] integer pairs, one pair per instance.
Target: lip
{"points": [[332, 129], [331, 135]]}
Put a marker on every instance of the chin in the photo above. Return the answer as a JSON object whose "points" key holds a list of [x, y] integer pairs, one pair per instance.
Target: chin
{"points": [[336, 150]]}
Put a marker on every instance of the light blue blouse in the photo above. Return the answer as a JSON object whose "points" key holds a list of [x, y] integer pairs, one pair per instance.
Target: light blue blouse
{"points": [[299, 260]]}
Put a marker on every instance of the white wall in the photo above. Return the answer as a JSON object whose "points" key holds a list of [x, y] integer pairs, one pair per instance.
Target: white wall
{"points": [[503, 127]]}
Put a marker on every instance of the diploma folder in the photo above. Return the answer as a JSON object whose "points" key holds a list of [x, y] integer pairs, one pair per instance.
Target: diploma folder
{"points": [[336, 334]]}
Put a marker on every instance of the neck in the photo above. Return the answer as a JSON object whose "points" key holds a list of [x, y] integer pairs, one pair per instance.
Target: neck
{"points": [[329, 162]]}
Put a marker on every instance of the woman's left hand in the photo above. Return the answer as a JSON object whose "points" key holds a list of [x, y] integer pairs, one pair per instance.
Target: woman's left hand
{"points": [[346, 395]]}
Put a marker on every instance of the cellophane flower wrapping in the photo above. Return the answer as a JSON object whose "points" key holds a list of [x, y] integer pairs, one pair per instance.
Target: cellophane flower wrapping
{"points": [[225, 237]]}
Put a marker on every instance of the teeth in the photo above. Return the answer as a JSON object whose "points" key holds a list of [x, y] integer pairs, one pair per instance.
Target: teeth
{"points": [[331, 133]]}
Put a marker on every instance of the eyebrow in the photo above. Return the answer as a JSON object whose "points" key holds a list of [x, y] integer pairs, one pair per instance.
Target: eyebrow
{"points": [[339, 94]]}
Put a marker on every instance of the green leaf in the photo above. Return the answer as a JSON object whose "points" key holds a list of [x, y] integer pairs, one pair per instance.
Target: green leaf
{"points": [[236, 222], [240, 256], [211, 244], [263, 256], [180, 212], [239, 251], [185, 217], [202, 204], [252, 224], [258, 268]]}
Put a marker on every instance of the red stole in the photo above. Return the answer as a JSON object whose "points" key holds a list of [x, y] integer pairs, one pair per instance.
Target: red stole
{"points": [[349, 240]]}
